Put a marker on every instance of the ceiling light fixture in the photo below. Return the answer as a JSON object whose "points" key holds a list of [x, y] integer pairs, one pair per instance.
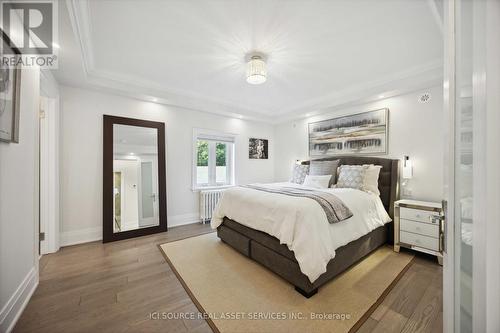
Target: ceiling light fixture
{"points": [[256, 70]]}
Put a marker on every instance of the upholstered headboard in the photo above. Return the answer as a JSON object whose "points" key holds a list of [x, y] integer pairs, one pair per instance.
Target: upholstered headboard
{"points": [[388, 181]]}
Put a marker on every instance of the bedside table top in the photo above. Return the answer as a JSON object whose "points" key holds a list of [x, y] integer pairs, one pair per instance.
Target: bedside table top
{"points": [[419, 203]]}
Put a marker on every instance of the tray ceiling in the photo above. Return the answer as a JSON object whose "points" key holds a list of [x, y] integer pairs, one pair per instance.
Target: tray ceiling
{"points": [[192, 53]]}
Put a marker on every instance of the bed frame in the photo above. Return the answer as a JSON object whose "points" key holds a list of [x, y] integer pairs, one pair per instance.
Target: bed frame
{"points": [[267, 250]]}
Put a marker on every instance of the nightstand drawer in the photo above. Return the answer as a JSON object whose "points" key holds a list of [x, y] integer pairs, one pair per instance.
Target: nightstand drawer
{"points": [[418, 215], [419, 240], [431, 230]]}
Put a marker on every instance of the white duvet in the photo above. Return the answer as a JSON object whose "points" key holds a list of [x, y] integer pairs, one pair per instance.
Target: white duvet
{"points": [[301, 223]]}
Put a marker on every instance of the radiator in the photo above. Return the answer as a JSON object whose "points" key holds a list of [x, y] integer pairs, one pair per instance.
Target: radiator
{"points": [[208, 201]]}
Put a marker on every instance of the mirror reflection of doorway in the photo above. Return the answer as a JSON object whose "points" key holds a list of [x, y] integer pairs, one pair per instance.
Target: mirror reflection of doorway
{"points": [[117, 206], [136, 205]]}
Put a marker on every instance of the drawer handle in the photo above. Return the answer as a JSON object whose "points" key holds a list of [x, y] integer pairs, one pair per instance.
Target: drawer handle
{"points": [[418, 215], [417, 228]]}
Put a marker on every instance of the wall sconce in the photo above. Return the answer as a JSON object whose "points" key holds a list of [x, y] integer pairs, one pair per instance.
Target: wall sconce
{"points": [[407, 168]]}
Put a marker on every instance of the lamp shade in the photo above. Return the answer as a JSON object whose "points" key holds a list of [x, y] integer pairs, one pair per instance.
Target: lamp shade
{"points": [[407, 168], [256, 70]]}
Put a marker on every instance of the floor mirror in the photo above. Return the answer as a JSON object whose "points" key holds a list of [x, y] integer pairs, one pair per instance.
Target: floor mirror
{"points": [[134, 184]]}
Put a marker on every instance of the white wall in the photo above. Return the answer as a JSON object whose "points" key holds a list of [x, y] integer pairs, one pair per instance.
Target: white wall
{"points": [[82, 112], [19, 207], [415, 129]]}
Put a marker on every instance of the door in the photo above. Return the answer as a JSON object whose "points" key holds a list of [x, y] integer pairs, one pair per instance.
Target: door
{"points": [[148, 195], [471, 277]]}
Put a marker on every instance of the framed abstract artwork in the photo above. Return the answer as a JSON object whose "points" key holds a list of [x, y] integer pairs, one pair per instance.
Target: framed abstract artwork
{"points": [[10, 83], [361, 133]]}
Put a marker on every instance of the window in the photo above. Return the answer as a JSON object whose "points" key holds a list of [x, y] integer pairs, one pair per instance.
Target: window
{"points": [[213, 159]]}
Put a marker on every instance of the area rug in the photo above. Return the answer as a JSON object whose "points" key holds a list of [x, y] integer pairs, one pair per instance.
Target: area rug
{"points": [[236, 294]]}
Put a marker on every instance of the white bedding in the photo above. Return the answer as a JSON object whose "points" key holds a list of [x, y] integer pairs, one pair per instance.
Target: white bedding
{"points": [[301, 223]]}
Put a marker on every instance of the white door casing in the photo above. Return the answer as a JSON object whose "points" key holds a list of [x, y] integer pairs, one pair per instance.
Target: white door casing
{"points": [[49, 127]]}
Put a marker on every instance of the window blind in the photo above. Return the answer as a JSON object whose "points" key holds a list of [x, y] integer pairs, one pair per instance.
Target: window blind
{"points": [[218, 138]]}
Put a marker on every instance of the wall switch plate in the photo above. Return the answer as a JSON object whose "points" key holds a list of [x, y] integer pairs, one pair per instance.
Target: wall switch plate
{"points": [[407, 192]]}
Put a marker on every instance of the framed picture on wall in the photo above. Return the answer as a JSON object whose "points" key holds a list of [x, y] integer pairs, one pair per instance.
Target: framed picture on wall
{"points": [[10, 83], [361, 133], [258, 149]]}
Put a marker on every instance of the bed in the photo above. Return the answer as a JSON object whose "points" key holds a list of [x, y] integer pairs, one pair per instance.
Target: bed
{"points": [[284, 258]]}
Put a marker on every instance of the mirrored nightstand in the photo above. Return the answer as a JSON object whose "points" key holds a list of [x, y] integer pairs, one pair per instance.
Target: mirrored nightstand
{"points": [[419, 225]]}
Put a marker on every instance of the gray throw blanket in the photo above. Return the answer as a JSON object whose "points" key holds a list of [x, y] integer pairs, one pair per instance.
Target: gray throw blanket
{"points": [[334, 208]]}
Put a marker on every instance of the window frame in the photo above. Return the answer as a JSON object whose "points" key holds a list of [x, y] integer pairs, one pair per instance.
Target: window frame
{"points": [[213, 137]]}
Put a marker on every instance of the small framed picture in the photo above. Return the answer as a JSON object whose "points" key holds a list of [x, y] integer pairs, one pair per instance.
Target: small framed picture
{"points": [[10, 83], [258, 149]]}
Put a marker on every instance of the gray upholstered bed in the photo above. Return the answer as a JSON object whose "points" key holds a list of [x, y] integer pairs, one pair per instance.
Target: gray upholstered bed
{"points": [[268, 251]]}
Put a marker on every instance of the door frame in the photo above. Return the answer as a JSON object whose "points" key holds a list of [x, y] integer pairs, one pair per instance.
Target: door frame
{"points": [[449, 299], [107, 183], [49, 152]]}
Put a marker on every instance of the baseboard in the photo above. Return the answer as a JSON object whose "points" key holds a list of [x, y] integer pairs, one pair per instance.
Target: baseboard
{"points": [[183, 219], [75, 237], [80, 236], [11, 312]]}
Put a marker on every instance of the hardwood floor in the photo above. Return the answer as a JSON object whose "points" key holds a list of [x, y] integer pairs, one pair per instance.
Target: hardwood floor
{"points": [[115, 287], [415, 304], [111, 287]]}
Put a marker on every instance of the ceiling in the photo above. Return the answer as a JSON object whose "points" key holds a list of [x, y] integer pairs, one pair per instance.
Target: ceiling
{"points": [[134, 140], [134, 135], [320, 54]]}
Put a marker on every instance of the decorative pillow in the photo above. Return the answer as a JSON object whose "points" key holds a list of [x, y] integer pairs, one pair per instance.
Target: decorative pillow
{"points": [[372, 173], [320, 168], [317, 181], [299, 173], [351, 176]]}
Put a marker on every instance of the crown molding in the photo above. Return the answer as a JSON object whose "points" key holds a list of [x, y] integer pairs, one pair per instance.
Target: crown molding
{"points": [[417, 73], [414, 78], [148, 90], [438, 18], [79, 13], [419, 77], [355, 103], [79, 16]]}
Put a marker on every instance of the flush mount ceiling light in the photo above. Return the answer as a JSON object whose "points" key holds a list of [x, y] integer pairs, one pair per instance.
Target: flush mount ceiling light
{"points": [[256, 70]]}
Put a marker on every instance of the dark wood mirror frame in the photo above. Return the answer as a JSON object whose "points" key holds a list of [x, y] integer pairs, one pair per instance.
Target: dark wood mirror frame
{"points": [[107, 184]]}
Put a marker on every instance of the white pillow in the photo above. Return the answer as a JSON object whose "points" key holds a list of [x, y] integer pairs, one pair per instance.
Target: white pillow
{"points": [[299, 173], [317, 181], [351, 176], [370, 181], [362, 177]]}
